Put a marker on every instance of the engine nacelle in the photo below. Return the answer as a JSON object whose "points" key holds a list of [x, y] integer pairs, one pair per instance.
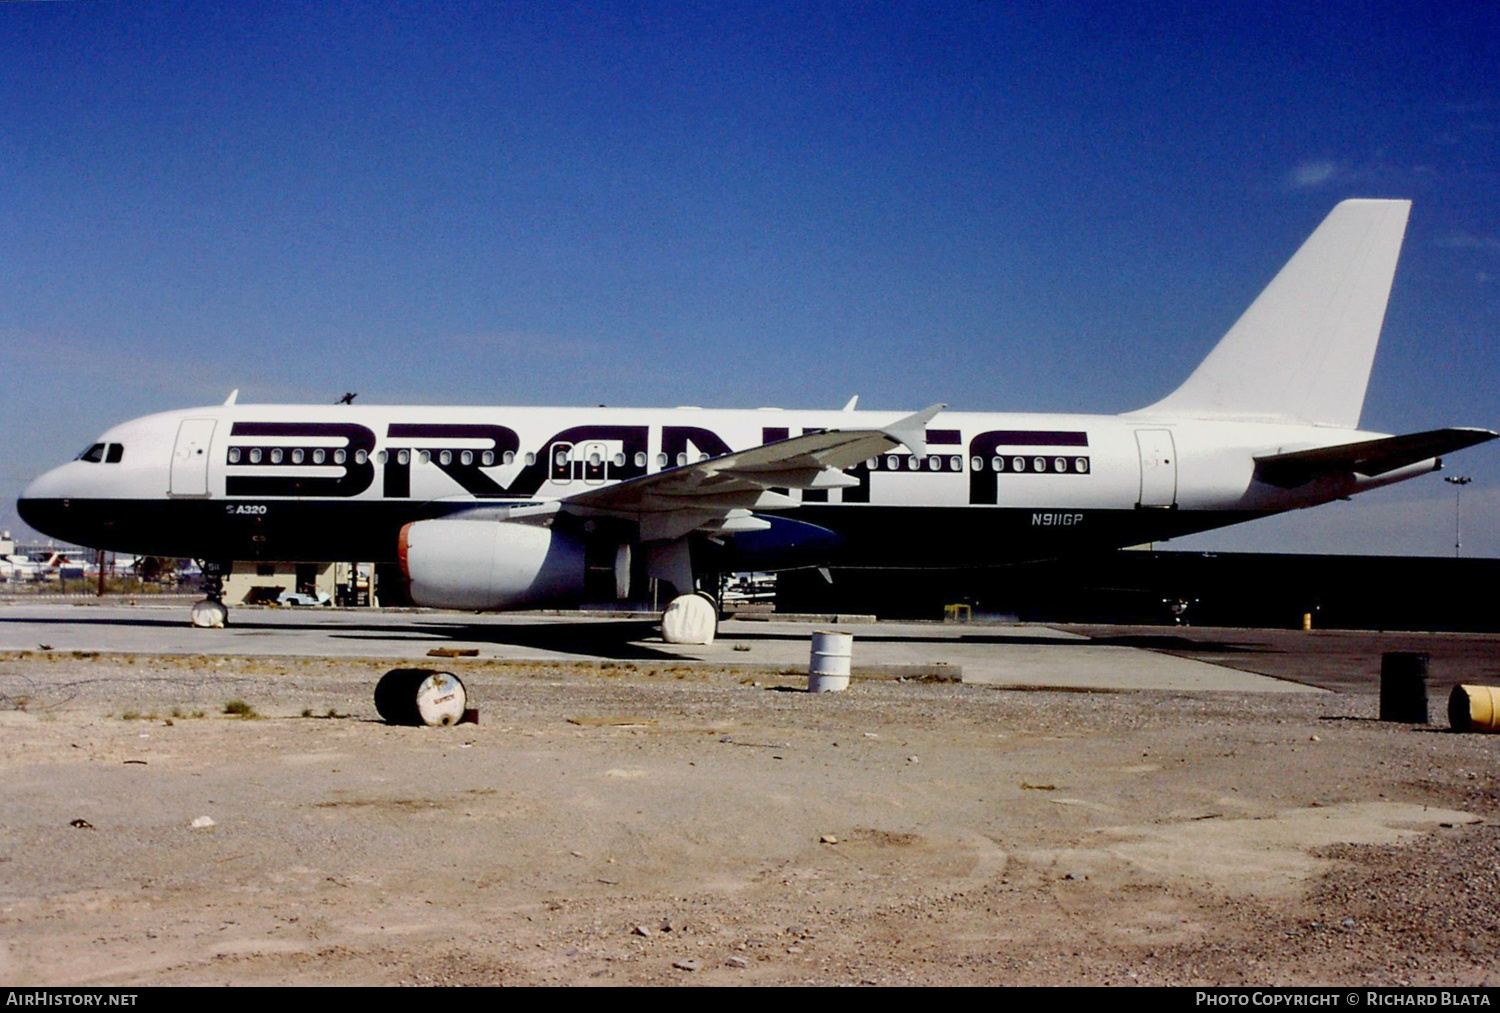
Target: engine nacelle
{"points": [[484, 565]]}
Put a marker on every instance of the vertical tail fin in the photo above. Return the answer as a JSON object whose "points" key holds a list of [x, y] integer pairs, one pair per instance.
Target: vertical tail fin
{"points": [[1302, 351]]}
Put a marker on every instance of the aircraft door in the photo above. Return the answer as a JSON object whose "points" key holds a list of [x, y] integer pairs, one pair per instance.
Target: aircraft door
{"points": [[1158, 468], [560, 463], [595, 463], [190, 458]]}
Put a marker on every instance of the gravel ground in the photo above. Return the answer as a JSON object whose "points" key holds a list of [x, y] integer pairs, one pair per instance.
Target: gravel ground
{"points": [[673, 824]]}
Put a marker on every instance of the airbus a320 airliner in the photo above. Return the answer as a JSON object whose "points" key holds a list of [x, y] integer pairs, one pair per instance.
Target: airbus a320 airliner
{"points": [[495, 508]]}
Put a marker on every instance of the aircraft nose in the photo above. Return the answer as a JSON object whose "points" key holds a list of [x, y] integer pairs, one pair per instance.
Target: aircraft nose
{"points": [[51, 484], [33, 512], [44, 506]]}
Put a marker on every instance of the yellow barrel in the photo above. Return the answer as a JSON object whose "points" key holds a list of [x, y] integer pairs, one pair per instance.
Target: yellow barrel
{"points": [[1474, 708]]}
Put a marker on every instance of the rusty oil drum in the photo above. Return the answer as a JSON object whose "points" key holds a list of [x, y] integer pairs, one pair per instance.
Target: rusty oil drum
{"points": [[420, 696]]}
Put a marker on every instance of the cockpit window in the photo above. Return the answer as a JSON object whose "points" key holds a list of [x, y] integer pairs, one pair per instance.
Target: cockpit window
{"points": [[115, 453], [94, 454]]}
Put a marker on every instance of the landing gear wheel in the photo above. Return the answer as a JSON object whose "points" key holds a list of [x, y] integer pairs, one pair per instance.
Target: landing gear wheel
{"points": [[690, 619], [210, 614]]}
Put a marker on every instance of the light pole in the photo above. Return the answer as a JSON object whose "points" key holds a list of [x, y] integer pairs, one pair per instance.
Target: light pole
{"points": [[1458, 482]]}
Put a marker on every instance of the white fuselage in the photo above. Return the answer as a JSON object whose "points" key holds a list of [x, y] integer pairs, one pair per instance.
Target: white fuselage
{"points": [[336, 482]]}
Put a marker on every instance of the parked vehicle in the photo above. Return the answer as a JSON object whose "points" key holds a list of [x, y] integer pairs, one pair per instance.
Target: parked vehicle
{"points": [[299, 598]]}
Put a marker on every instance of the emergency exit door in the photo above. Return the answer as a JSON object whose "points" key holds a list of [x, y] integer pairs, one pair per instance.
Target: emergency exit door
{"points": [[1158, 468]]}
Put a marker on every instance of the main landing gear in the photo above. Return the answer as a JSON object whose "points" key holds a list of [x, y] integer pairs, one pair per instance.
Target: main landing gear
{"points": [[211, 612]]}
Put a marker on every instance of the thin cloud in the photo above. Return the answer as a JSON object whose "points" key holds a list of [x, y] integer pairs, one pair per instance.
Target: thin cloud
{"points": [[1309, 175], [1469, 241]]}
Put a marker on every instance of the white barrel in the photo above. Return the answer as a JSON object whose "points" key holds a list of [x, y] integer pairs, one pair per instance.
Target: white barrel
{"points": [[828, 668], [418, 696], [441, 699]]}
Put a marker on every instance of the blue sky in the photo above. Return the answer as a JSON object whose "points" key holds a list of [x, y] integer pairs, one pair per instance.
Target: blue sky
{"points": [[1000, 206]]}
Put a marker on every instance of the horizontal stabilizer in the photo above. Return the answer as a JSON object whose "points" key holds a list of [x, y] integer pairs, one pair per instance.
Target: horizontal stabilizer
{"points": [[1368, 457]]}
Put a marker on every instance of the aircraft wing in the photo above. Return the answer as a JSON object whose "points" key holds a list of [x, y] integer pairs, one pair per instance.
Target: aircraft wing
{"points": [[718, 494], [1367, 457]]}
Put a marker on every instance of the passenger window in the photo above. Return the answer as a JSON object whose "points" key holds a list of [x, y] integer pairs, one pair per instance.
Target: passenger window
{"points": [[445, 457], [466, 458], [276, 456], [640, 458], [319, 456], [530, 458], [340, 456], [956, 463], [234, 455], [297, 457], [254, 455], [360, 457]]}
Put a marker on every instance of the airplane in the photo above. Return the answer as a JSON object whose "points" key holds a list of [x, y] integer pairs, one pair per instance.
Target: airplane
{"points": [[19, 568], [489, 508]]}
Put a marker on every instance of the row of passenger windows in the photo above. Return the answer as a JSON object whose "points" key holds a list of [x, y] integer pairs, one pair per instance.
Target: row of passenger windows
{"points": [[487, 459], [317, 455], [562, 457], [906, 462], [1018, 464], [1038, 465], [109, 453]]}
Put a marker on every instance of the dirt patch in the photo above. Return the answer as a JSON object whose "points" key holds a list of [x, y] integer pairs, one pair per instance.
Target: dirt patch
{"points": [[897, 833]]}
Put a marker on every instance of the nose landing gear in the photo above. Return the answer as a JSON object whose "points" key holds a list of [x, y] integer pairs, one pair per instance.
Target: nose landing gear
{"points": [[211, 612]]}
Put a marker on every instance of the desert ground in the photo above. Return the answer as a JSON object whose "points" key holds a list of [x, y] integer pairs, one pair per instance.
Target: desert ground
{"points": [[663, 821]]}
